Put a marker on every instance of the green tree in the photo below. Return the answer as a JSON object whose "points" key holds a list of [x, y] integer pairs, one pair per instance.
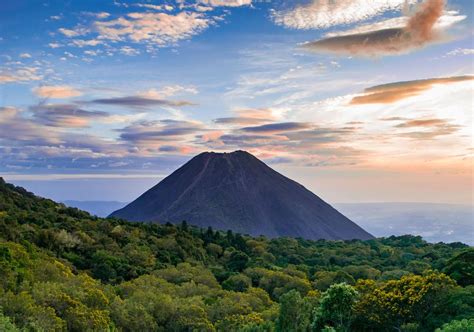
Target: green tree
{"points": [[237, 261], [461, 268], [238, 283], [336, 308], [292, 314], [6, 325], [465, 325], [324, 279]]}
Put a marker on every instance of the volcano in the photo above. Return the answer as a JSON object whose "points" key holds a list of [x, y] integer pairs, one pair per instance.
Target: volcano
{"points": [[239, 192]]}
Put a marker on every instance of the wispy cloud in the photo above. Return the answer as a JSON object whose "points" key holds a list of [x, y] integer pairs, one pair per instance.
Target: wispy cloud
{"points": [[418, 32], [140, 102], [427, 129], [157, 131], [421, 123], [448, 19], [65, 115], [21, 74], [157, 28], [168, 91], [461, 51], [73, 32], [130, 51], [327, 13], [392, 92], [56, 91], [225, 3], [248, 117], [83, 43], [44, 138], [277, 127]]}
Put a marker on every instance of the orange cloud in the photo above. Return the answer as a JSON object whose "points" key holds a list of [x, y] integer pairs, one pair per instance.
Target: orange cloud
{"points": [[392, 92], [19, 75], [252, 116], [418, 32], [257, 113], [427, 129], [57, 91], [422, 123], [212, 135], [159, 28]]}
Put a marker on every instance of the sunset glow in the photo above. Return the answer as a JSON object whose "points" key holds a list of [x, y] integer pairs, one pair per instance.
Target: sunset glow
{"points": [[371, 97]]}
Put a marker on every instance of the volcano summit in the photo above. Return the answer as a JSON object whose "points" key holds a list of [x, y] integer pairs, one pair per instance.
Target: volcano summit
{"points": [[237, 191]]}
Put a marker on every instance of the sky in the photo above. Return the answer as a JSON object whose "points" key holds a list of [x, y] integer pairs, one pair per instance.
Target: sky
{"points": [[358, 100]]}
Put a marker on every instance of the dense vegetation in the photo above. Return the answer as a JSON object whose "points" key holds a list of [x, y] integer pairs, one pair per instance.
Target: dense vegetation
{"points": [[63, 269]]}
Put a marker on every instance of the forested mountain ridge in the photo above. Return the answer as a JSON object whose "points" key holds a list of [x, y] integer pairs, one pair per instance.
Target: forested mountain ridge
{"points": [[238, 191], [63, 269]]}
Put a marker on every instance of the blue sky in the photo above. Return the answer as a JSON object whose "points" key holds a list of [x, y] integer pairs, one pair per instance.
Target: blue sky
{"points": [[101, 99]]}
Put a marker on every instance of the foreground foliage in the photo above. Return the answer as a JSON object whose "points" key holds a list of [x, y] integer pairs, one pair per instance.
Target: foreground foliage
{"points": [[62, 269]]}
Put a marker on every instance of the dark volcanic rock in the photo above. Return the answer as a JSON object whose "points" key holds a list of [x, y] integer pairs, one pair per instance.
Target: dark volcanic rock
{"points": [[238, 191]]}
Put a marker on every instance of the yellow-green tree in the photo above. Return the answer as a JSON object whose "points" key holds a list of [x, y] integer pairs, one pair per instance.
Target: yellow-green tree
{"points": [[410, 299]]}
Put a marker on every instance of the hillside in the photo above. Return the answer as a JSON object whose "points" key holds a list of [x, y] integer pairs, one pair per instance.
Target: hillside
{"points": [[63, 269], [434, 222], [239, 192], [97, 208]]}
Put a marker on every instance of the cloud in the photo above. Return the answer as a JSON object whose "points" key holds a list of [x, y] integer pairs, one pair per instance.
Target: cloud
{"points": [[130, 51], [248, 117], [461, 51], [448, 19], [249, 141], [394, 118], [392, 92], [35, 141], [226, 3], [25, 55], [160, 29], [298, 143], [19, 75], [427, 129], [238, 121], [155, 7], [320, 135], [73, 33], [421, 123], [100, 15], [318, 14], [418, 32], [56, 91], [159, 131], [83, 43], [92, 53], [14, 127], [140, 102], [168, 91], [277, 127], [65, 115]]}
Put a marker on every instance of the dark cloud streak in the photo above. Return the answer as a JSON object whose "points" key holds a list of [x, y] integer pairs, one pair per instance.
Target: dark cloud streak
{"points": [[277, 127], [65, 115], [418, 32], [140, 102]]}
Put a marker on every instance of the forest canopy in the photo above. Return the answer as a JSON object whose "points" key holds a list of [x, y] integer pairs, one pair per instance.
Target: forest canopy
{"points": [[63, 269]]}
